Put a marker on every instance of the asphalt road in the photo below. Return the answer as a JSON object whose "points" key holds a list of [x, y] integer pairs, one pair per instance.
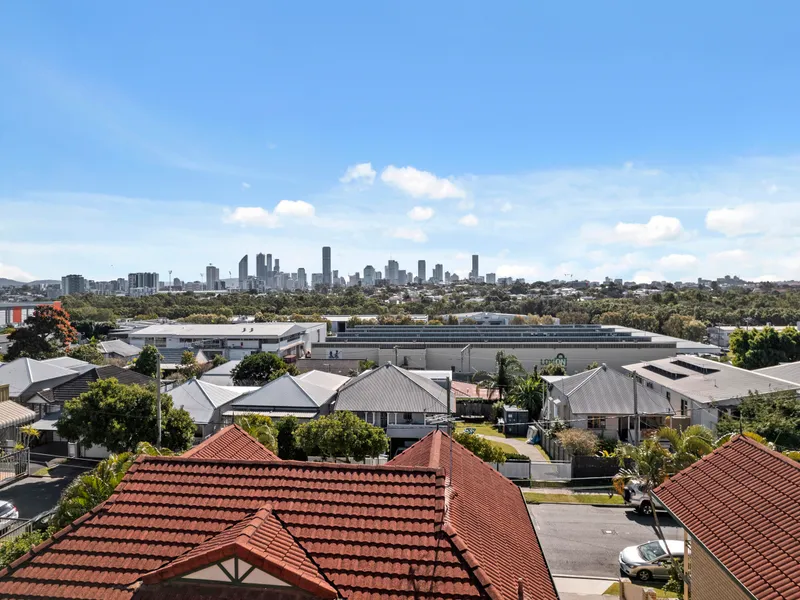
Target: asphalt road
{"points": [[35, 495], [587, 540]]}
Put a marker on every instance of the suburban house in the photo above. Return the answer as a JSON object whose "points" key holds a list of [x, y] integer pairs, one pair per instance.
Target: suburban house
{"points": [[786, 371], [220, 375], [171, 358], [235, 340], [12, 417], [205, 403], [67, 362], [229, 520], [702, 389], [117, 349], [602, 401], [739, 508], [28, 378], [305, 396], [398, 400]]}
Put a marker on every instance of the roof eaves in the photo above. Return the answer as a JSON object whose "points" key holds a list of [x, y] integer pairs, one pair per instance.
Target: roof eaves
{"points": [[471, 561]]}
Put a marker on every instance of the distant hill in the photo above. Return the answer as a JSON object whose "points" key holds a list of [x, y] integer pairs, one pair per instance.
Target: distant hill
{"points": [[12, 283]]}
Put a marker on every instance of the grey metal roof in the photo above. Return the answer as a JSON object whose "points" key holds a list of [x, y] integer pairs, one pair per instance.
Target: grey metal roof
{"points": [[392, 389], [12, 414], [286, 392], [124, 349], [705, 380], [329, 381], [234, 330], [787, 372], [201, 399], [26, 376], [66, 362], [604, 391], [220, 375]]}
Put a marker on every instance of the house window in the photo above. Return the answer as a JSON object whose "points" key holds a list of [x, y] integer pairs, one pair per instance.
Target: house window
{"points": [[669, 397], [684, 407], [408, 418], [161, 342], [596, 422], [650, 384]]}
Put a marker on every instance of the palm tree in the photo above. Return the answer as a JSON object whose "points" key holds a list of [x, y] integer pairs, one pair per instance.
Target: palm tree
{"points": [[260, 428], [528, 393], [507, 370], [688, 445]]}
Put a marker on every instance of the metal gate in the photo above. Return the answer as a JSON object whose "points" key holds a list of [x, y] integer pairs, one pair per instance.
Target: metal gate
{"points": [[14, 465]]}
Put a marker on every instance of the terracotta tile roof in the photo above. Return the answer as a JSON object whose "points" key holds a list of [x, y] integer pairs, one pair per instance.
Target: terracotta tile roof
{"points": [[488, 520], [233, 442], [742, 502]]}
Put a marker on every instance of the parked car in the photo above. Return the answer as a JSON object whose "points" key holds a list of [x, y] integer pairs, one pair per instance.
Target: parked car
{"points": [[636, 497], [649, 561], [9, 515]]}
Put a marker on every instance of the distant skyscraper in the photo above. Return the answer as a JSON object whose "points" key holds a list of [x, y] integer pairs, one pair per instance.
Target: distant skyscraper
{"points": [[393, 272], [491, 278], [212, 277], [302, 281], [438, 274], [369, 276], [326, 265], [402, 277], [143, 280], [421, 271], [475, 272], [277, 265], [316, 279], [243, 273], [447, 277], [73, 284], [261, 267]]}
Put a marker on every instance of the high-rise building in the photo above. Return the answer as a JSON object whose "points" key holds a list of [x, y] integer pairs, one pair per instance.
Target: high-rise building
{"points": [[491, 278], [143, 281], [212, 277], [302, 282], [73, 284], [277, 266], [402, 277], [243, 273], [369, 276], [422, 271], [316, 279], [393, 272], [475, 272], [438, 275], [378, 276], [447, 277], [270, 278], [261, 267], [326, 265]]}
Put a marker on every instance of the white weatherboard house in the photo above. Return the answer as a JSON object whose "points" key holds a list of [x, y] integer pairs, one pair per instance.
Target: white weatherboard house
{"points": [[703, 389], [205, 402]]}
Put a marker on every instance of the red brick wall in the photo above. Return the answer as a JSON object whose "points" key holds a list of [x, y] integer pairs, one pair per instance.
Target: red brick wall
{"points": [[709, 580]]}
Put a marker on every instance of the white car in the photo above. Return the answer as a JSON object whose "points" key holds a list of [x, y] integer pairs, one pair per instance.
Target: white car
{"points": [[649, 561], [9, 515]]}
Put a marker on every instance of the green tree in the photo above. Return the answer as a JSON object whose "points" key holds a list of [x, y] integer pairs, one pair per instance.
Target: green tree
{"points": [[89, 352], [119, 417], [775, 417], [218, 360], [261, 428], [529, 394], [366, 365], [47, 333], [592, 365], [287, 441], [554, 369], [756, 349], [260, 368], [687, 446], [481, 447], [12, 549], [507, 370], [341, 435], [147, 362]]}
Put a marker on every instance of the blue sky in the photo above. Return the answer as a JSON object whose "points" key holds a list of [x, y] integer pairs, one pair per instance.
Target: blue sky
{"points": [[587, 138]]}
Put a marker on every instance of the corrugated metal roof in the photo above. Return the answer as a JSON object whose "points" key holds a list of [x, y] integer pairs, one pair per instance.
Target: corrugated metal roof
{"points": [[787, 372], [330, 381], [604, 391], [248, 330], [12, 414], [67, 362], [119, 347], [286, 392], [201, 399], [392, 389], [26, 376]]}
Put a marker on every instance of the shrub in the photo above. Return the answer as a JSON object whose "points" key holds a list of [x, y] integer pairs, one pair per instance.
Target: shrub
{"points": [[578, 442], [606, 445], [515, 456], [13, 549], [497, 410], [481, 447]]}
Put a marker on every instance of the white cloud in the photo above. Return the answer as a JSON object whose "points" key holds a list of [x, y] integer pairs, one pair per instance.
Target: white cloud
{"points": [[421, 184], [360, 173], [506, 207], [420, 213], [740, 220], [252, 216], [245, 185], [678, 262], [294, 208], [15, 273], [658, 229], [648, 276], [469, 220], [413, 234], [529, 272]]}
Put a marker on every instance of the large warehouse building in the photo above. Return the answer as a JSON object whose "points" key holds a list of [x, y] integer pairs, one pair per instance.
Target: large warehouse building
{"points": [[470, 348]]}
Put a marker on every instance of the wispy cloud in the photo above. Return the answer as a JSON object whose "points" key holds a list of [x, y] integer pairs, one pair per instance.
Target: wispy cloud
{"points": [[421, 184], [468, 221], [295, 208], [420, 213], [12, 272], [360, 173], [252, 216], [414, 234], [245, 185]]}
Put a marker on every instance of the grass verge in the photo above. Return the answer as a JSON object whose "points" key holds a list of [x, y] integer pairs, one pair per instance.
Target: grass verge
{"points": [[613, 590], [537, 497], [43, 472], [544, 453]]}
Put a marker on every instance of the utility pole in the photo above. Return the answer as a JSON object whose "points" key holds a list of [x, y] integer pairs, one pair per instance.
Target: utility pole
{"points": [[158, 401], [450, 430], [636, 408]]}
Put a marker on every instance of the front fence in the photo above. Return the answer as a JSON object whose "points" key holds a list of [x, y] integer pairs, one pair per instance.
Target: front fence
{"points": [[13, 528], [535, 471], [14, 465]]}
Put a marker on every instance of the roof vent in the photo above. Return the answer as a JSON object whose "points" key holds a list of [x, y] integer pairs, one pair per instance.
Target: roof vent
{"points": [[244, 329], [605, 367], [251, 329]]}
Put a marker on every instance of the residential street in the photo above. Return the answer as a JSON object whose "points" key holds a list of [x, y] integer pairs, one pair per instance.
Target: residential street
{"points": [[34, 495], [587, 540]]}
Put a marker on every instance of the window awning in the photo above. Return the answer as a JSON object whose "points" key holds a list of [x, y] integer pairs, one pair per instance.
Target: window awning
{"points": [[12, 414], [48, 422]]}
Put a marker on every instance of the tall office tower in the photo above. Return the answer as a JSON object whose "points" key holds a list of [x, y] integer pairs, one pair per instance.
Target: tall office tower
{"points": [[438, 275], [243, 272], [447, 277], [335, 276], [270, 280], [73, 284], [392, 271], [143, 280], [421, 271], [474, 273], [326, 265], [277, 265], [402, 278], [316, 279], [409, 278], [378, 276], [261, 267], [302, 282], [212, 277], [491, 278], [369, 276]]}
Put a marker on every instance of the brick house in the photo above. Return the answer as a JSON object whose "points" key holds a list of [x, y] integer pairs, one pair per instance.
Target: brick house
{"points": [[740, 511], [228, 519]]}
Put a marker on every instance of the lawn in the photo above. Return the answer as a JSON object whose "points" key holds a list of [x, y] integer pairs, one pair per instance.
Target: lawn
{"points": [[536, 497], [485, 428], [613, 590], [43, 472]]}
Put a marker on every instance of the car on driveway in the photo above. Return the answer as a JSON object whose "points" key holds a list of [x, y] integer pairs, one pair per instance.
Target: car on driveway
{"points": [[9, 515], [650, 560]]}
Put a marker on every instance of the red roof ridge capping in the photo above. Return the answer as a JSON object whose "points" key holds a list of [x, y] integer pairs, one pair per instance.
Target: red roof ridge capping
{"points": [[500, 546], [740, 503], [232, 442], [263, 541]]}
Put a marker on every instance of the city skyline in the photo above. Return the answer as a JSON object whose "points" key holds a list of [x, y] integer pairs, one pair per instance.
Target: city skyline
{"points": [[516, 132]]}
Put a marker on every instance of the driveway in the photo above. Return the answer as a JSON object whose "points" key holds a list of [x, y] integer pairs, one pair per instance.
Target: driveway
{"points": [[520, 445], [587, 540], [34, 495]]}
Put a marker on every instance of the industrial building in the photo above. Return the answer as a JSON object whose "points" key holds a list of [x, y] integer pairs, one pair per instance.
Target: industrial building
{"points": [[466, 349]]}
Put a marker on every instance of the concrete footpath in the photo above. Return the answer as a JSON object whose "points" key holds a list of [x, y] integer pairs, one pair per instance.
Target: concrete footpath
{"points": [[582, 588], [520, 445]]}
